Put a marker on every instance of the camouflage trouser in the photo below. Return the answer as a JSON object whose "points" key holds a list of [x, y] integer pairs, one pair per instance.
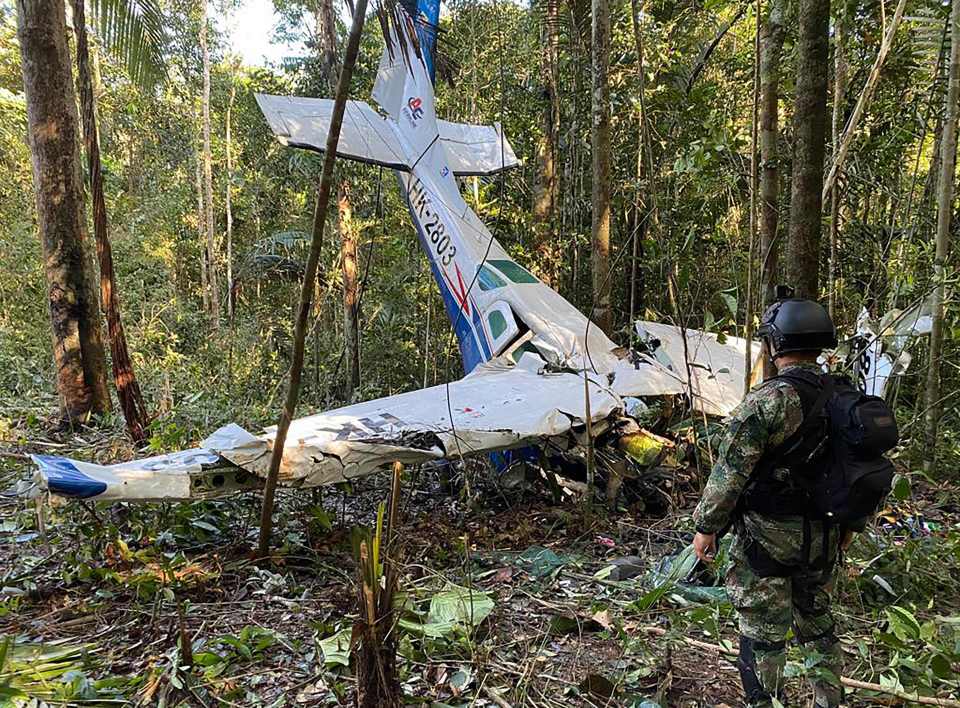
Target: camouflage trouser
{"points": [[767, 607]]}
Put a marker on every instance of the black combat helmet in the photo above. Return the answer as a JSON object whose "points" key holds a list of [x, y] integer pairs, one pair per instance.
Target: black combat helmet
{"points": [[797, 325]]}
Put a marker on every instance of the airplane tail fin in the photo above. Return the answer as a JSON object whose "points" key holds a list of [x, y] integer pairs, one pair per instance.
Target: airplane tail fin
{"points": [[404, 87]]}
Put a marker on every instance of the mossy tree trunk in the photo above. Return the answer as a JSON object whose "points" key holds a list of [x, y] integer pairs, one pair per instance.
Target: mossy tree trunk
{"points": [[52, 137], [810, 124]]}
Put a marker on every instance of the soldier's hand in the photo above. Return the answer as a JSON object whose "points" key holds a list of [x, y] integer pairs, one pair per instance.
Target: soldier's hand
{"points": [[705, 546]]}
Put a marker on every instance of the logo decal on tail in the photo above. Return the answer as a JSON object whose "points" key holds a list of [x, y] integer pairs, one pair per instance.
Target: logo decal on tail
{"points": [[414, 110]]}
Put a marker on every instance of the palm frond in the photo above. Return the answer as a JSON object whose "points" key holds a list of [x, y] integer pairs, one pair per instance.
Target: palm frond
{"points": [[132, 31]]}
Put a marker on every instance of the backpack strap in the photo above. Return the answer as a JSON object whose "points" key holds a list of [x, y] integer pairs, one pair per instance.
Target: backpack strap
{"points": [[814, 392]]}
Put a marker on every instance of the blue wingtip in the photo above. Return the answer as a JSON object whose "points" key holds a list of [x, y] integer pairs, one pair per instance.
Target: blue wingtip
{"points": [[63, 478]]}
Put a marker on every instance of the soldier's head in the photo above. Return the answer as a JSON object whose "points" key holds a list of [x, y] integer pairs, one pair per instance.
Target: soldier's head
{"points": [[794, 329]]}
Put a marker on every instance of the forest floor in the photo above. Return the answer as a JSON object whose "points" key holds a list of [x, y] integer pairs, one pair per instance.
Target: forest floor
{"points": [[97, 597]]}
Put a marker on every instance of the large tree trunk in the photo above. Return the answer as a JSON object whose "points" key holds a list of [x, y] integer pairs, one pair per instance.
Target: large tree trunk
{"points": [[771, 45], [212, 280], [945, 194], [810, 124], [545, 189], [600, 152], [128, 389], [52, 136]]}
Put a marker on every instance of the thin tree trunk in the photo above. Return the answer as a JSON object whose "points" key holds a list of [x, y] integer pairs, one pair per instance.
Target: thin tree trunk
{"points": [[810, 123], [600, 153], [52, 135], [651, 227], [327, 43], [771, 45], [329, 67], [351, 315], [208, 177], [310, 275], [754, 186], [128, 389], [945, 194], [231, 300], [202, 233], [839, 96], [863, 101], [545, 188]]}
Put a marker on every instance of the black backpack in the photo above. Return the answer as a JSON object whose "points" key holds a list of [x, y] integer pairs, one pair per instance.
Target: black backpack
{"points": [[838, 472]]}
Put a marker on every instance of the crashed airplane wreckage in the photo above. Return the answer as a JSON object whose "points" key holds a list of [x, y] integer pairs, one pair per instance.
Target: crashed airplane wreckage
{"points": [[526, 350]]}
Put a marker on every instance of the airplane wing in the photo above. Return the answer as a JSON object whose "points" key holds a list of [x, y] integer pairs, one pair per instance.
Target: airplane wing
{"points": [[367, 136], [496, 407]]}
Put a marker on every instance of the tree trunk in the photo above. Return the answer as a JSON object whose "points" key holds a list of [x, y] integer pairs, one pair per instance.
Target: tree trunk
{"points": [[600, 152], [327, 43], [202, 233], [310, 275], [351, 314], [128, 389], [330, 68], [839, 96], [545, 189], [810, 123], [651, 222], [754, 189], [231, 300], [945, 194], [212, 279], [52, 136], [771, 45]]}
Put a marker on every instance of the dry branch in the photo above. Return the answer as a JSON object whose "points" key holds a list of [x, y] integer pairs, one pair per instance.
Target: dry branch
{"points": [[840, 151]]}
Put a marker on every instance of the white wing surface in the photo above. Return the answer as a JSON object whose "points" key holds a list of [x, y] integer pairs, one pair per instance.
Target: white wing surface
{"points": [[367, 136], [497, 407]]}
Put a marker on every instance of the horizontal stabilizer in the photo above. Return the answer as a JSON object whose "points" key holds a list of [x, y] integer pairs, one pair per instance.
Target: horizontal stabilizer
{"points": [[304, 123], [476, 149], [366, 136]]}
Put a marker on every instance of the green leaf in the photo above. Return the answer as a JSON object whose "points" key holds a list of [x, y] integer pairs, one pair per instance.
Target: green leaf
{"points": [[453, 609], [681, 567], [336, 648], [731, 302], [541, 561], [902, 623], [941, 667], [901, 487], [133, 32], [206, 526]]}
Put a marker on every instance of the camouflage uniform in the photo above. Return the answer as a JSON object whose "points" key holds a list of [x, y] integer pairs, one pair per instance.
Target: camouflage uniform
{"points": [[767, 606]]}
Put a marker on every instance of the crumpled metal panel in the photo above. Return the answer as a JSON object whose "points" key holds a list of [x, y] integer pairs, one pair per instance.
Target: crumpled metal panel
{"points": [[494, 408], [716, 370]]}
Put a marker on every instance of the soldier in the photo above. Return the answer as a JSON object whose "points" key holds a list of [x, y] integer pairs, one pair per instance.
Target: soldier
{"points": [[778, 577]]}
